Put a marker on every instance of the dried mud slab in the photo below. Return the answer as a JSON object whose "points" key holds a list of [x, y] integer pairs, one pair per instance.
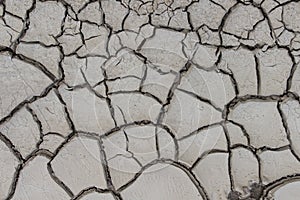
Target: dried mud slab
{"points": [[149, 99]]}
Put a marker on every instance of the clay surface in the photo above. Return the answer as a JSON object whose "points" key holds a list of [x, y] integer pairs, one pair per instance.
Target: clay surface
{"points": [[149, 99]]}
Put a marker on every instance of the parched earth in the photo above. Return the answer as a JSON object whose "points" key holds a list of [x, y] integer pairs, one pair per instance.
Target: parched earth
{"points": [[149, 99]]}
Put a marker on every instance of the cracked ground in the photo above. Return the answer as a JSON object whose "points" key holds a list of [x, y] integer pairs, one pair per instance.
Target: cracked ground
{"points": [[149, 99]]}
